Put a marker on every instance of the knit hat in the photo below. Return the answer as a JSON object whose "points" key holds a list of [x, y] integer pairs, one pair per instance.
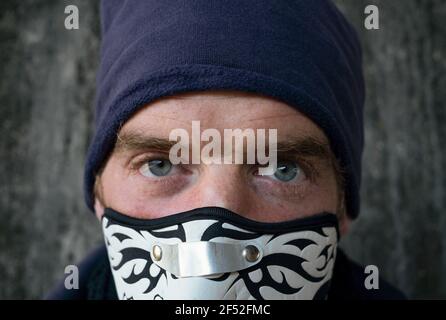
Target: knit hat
{"points": [[303, 53]]}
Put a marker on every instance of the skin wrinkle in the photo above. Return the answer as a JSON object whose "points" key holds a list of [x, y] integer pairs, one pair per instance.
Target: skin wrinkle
{"points": [[341, 213], [138, 134]]}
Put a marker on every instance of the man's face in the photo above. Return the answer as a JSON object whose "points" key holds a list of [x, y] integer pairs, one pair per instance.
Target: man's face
{"points": [[140, 181]]}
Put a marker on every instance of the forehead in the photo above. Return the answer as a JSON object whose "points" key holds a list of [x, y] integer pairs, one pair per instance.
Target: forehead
{"points": [[221, 110]]}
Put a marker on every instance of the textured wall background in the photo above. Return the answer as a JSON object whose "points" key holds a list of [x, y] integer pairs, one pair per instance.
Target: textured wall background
{"points": [[47, 84]]}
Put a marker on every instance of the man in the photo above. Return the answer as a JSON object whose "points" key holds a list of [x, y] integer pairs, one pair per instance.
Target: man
{"points": [[184, 229]]}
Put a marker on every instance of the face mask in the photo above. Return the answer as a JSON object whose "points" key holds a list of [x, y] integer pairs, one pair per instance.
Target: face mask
{"points": [[213, 253]]}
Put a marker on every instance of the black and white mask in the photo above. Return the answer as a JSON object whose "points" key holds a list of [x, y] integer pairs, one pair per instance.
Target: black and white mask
{"points": [[213, 253]]}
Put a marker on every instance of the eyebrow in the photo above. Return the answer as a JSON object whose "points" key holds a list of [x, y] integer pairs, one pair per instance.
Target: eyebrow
{"points": [[134, 141], [306, 146]]}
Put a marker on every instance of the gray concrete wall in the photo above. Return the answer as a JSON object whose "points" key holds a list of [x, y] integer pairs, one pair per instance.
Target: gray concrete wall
{"points": [[47, 83]]}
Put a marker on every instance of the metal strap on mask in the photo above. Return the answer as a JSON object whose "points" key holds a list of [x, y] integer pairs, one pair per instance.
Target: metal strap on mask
{"points": [[204, 258]]}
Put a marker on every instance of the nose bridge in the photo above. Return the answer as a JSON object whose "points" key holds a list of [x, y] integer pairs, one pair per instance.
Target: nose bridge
{"points": [[223, 185]]}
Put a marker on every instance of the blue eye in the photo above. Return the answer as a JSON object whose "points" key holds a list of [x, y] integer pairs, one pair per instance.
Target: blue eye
{"points": [[286, 171], [156, 167]]}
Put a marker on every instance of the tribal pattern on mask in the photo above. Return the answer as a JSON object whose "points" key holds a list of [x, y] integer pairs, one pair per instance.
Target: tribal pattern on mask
{"points": [[295, 265]]}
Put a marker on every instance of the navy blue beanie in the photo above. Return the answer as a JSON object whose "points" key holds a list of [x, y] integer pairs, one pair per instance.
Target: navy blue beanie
{"points": [[301, 52]]}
